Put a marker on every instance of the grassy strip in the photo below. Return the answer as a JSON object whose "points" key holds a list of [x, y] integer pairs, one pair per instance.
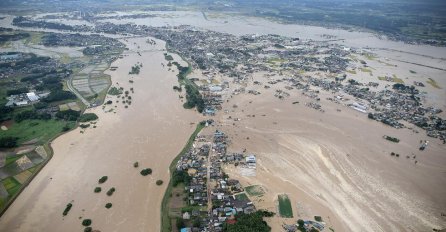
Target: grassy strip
{"points": [[393, 79], [433, 83], [351, 71], [285, 208], [165, 219]]}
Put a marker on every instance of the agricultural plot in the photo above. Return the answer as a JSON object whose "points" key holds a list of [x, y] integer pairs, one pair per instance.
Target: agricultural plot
{"points": [[23, 176], [35, 158], [102, 66], [8, 187], [285, 209], [24, 163], [98, 84], [9, 170], [16, 164], [91, 81], [40, 130], [247, 171], [11, 185], [69, 106], [241, 196], [255, 190], [95, 73], [3, 192], [41, 151], [34, 169], [74, 106], [63, 107], [16, 169], [87, 70], [80, 83], [11, 158]]}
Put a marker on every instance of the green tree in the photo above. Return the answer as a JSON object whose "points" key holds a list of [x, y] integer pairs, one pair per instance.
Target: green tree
{"points": [[248, 223], [8, 142], [196, 222], [180, 223]]}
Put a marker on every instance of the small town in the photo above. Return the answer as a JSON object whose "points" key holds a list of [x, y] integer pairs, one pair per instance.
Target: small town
{"points": [[209, 186]]}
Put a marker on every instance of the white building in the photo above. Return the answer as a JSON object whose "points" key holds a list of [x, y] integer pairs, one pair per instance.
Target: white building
{"points": [[250, 159], [215, 88], [32, 96]]}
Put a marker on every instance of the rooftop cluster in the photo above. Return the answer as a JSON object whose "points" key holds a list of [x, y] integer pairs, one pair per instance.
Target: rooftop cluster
{"points": [[207, 185]]}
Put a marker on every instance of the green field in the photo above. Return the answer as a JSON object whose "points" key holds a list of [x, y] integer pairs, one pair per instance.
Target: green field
{"points": [[12, 159], [241, 196], [11, 185], [43, 130], [285, 209], [34, 169], [255, 190]]}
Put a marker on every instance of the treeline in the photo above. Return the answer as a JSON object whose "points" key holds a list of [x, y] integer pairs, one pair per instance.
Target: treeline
{"points": [[8, 142], [99, 50], [180, 177], [5, 113], [25, 22], [16, 91], [32, 59], [59, 95], [36, 75], [13, 37], [249, 222], [31, 114], [79, 40], [88, 117], [193, 96], [5, 110], [392, 139], [69, 115], [51, 82]]}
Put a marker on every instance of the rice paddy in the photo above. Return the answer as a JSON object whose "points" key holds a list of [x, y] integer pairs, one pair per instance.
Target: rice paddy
{"points": [[16, 170], [91, 82]]}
